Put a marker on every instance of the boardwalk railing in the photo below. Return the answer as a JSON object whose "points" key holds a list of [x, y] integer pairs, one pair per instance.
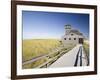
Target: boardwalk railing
{"points": [[60, 51], [80, 57]]}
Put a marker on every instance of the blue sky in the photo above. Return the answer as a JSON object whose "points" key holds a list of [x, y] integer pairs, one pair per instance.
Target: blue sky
{"points": [[44, 25]]}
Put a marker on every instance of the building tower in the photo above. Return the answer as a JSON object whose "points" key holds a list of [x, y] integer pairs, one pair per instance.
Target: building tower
{"points": [[67, 29]]}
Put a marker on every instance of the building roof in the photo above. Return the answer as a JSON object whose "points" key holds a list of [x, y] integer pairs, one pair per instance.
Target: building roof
{"points": [[76, 32]]}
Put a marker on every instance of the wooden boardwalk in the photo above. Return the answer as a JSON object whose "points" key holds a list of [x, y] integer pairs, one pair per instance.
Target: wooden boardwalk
{"points": [[75, 57]]}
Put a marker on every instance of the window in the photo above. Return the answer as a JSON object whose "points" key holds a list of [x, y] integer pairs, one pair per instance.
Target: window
{"points": [[69, 38], [71, 34], [74, 38], [64, 38]]}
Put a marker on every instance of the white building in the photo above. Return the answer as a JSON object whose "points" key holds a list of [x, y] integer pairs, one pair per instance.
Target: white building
{"points": [[72, 36]]}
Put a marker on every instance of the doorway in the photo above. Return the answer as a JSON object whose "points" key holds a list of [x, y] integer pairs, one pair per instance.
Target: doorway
{"points": [[80, 40]]}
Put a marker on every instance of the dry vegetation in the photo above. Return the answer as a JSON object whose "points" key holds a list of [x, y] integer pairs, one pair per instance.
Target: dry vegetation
{"points": [[37, 47], [86, 47]]}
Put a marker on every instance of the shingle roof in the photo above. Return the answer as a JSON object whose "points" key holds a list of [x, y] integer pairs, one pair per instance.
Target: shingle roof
{"points": [[76, 32]]}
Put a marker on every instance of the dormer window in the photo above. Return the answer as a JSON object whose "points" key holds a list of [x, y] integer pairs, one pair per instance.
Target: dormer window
{"points": [[71, 34], [69, 38], [64, 38], [74, 38]]}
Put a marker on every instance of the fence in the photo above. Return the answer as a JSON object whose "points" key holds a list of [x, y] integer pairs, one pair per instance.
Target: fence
{"points": [[60, 51]]}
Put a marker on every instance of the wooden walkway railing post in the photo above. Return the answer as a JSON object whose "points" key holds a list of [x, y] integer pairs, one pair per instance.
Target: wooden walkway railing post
{"points": [[50, 61]]}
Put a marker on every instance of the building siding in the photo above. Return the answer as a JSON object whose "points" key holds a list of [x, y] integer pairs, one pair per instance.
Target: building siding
{"points": [[69, 39]]}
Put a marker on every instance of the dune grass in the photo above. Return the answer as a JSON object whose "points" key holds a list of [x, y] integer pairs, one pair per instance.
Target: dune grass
{"points": [[37, 47], [86, 47]]}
